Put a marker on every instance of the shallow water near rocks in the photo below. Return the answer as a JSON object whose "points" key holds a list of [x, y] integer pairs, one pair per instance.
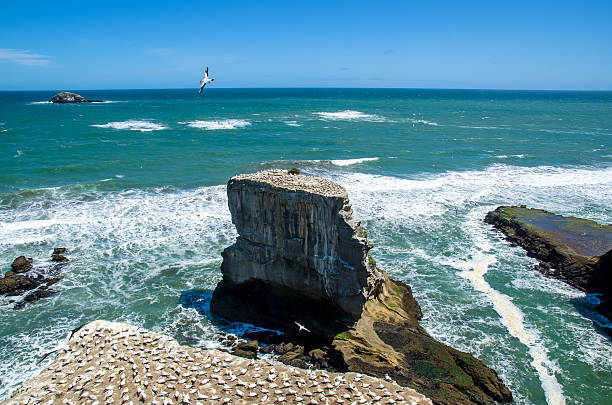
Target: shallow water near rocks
{"points": [[135, 189]]}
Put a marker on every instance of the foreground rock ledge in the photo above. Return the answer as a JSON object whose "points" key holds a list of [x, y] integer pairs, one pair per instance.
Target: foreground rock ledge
{"points": [[575, 250], [301, 257], [118, 363]]}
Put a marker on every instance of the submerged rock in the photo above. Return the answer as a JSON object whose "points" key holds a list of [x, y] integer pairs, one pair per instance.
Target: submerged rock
{"points": [[575, 250], [65, 97], [301, 265]]}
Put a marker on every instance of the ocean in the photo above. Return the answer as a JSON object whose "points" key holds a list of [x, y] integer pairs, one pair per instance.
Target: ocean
{"points": [[135, 189]]}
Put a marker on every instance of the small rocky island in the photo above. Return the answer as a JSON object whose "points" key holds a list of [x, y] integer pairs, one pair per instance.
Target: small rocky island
{"points": [[301, 265], [575, 250], [66, 97]]}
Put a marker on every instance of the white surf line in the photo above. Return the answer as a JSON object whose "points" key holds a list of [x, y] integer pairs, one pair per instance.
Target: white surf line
{"points": [[512, 318]]}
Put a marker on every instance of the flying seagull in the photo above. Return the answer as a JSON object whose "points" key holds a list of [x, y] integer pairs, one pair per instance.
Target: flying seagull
{"points": [[205, 80], [301, 327]]}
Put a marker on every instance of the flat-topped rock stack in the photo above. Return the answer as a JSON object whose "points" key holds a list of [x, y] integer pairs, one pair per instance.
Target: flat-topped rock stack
{"points": [[301, 258], [297, 237], [116, 363]]}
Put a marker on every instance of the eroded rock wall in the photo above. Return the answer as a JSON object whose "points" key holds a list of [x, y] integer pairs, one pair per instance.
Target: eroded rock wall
{"points": [[298, 232]]}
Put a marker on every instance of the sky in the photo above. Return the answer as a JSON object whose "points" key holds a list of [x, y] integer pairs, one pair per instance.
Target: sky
{"points": [[71, 45]]}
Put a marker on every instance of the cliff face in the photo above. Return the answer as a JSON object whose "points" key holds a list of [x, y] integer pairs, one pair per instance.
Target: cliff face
{"points": [[301, 258], [298, 234]]}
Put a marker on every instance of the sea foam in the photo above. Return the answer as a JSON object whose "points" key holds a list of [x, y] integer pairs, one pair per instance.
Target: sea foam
{"points": [[420, 121], [348, 115], [512, 317], [348, 162], [133, 125], [217, 124]]}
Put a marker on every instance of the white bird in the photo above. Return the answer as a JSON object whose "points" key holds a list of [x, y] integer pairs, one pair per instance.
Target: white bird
{"points": [[301, 327], [61, 345], [205, 80]]}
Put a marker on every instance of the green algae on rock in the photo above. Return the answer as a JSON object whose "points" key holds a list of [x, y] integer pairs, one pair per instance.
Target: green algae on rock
{"points": [[575, 250]]}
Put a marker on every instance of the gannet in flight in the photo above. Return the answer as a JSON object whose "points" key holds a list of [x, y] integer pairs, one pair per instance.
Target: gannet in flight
{"points": [[61, 345], [205, 80], [301, 327]]}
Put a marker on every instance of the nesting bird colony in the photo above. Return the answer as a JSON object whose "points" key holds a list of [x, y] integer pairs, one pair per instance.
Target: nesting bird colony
{"points": [[116, 363], [282, 179]]}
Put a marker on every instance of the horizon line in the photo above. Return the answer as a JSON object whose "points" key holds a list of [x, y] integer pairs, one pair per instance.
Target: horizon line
{"points": [[309, 87]]}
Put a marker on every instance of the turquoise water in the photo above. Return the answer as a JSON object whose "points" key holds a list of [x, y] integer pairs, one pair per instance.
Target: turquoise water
{"points": [[135, 189]]}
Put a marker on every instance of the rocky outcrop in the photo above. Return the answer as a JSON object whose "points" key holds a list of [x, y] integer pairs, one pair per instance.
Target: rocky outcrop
{"points": [[22, 264], [297, 234], [65, 97], [29, 283], [301, 261], [575, 250]]}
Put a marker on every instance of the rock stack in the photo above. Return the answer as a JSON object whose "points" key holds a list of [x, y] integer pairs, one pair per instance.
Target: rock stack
{"points": [[298, 245], [301, 265]]}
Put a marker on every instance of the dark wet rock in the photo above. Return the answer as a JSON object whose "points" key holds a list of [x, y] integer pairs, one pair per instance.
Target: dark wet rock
{"points": [[247, 349], [316, 354], [575, 250], [22, 264], [59, 258], [267, 349], [300, 257], [14, 284], [35, 280], [65, 97], [59, 250]]}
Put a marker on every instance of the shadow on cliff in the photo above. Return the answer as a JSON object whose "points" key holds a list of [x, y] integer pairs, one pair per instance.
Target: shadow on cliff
{"points": [[588, 307], [200, 301]]}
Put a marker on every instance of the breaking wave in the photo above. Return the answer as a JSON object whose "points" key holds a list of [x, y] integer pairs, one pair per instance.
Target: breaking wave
{"points": [[217, 124], [425, 122], [132, 125], [348, 162], [349, 115]]}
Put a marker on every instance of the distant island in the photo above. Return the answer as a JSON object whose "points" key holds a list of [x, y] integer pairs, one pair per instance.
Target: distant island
{"points": [[66, 97]]}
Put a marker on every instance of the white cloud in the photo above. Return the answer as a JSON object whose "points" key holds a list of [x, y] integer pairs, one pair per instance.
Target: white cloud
{"points": [[23, 57]]}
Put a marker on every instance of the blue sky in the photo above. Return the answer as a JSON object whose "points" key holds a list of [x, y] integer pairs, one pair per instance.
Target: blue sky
{"points": [[431, 44]]}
